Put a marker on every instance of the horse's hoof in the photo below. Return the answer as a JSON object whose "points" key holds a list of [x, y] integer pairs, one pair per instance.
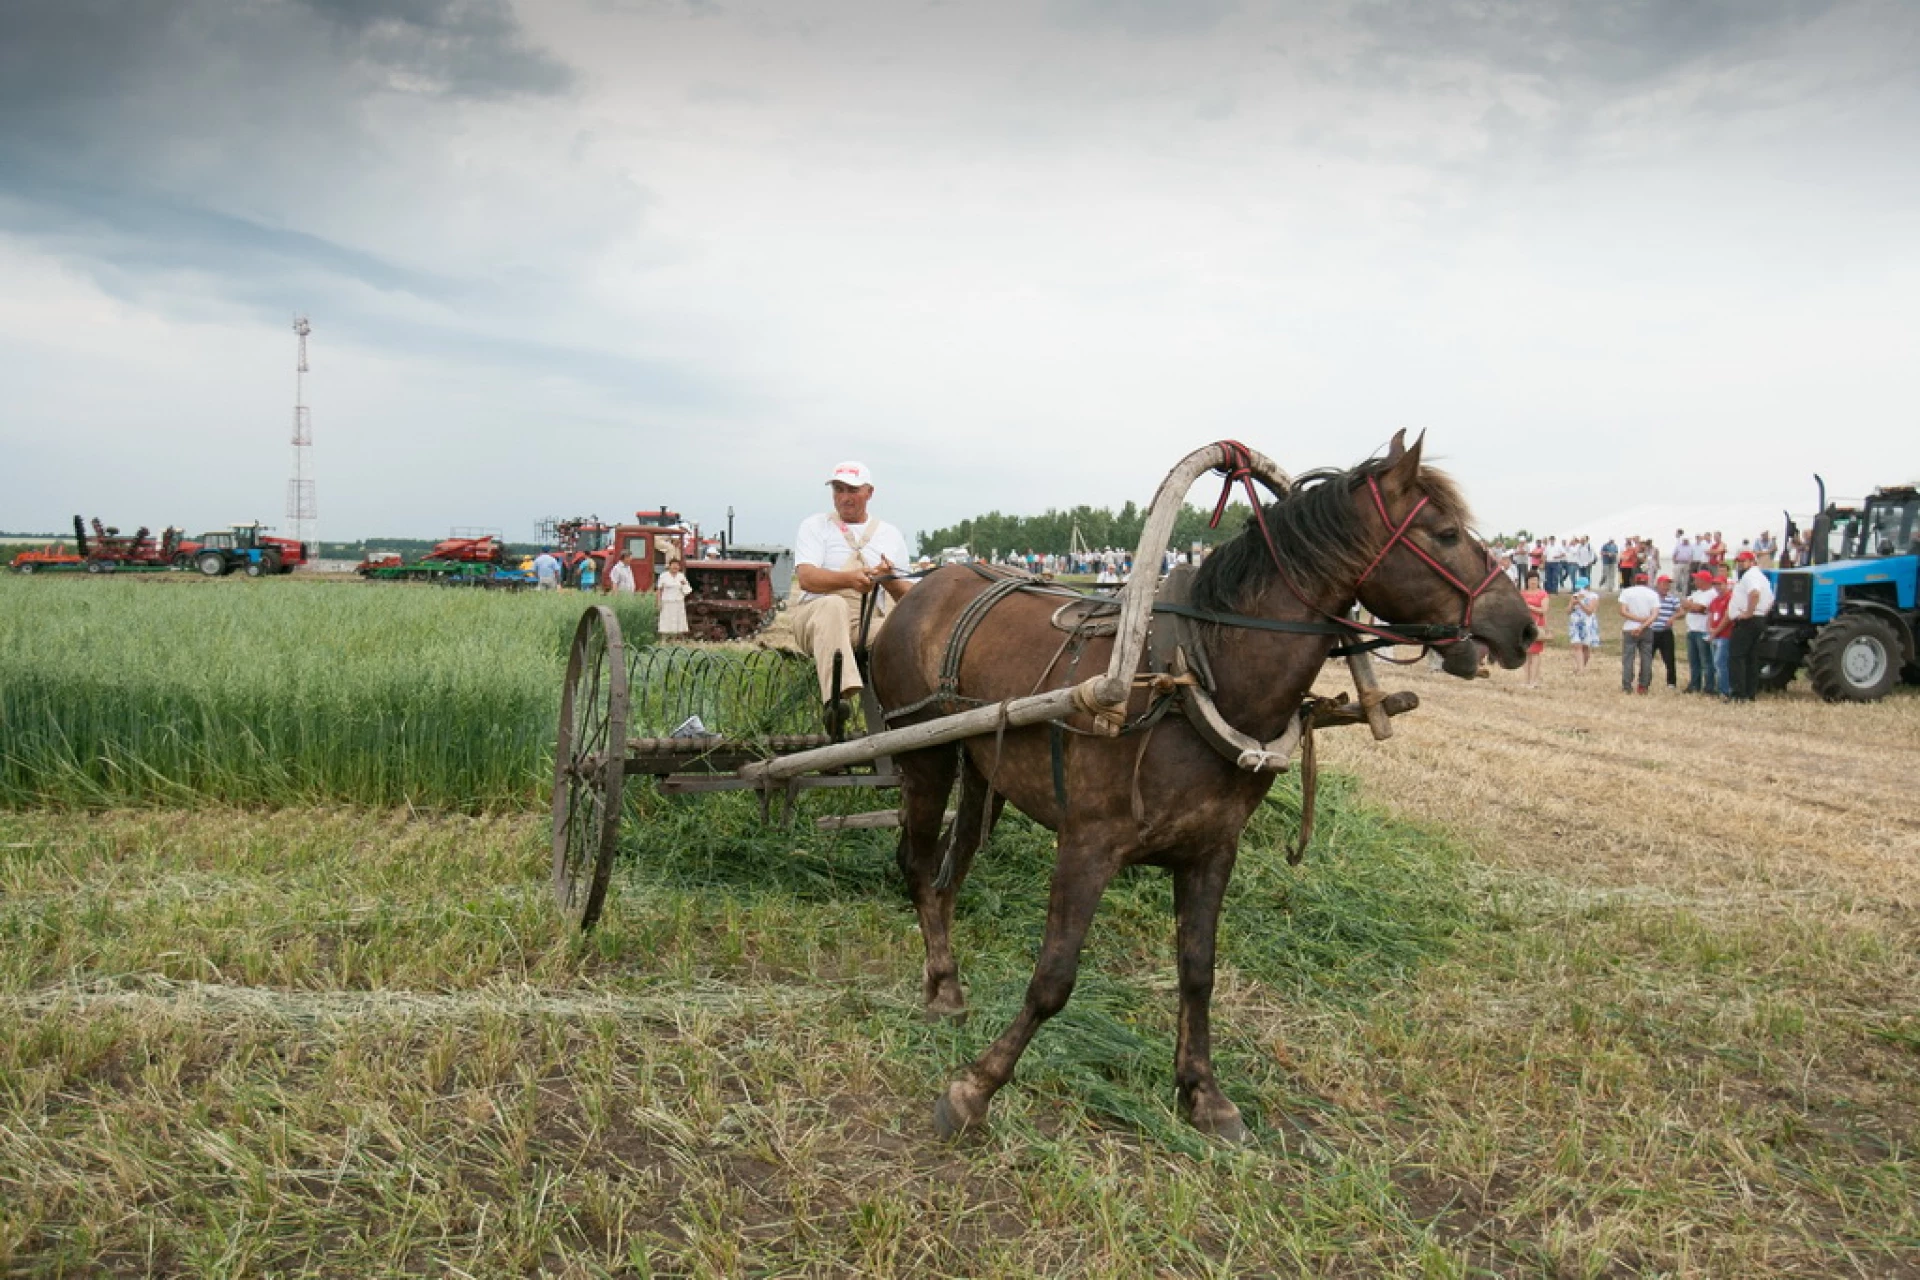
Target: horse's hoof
{"points": [[952, 1010], [943, 999], [1232, 1131], [949, 1120], [1223, 1123]]}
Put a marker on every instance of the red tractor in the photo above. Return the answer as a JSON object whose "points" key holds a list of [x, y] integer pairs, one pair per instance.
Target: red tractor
{"points": [[726, 599]]}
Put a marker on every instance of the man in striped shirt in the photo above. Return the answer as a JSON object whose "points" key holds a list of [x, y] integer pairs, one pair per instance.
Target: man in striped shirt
{"points": [[1670, 603]]}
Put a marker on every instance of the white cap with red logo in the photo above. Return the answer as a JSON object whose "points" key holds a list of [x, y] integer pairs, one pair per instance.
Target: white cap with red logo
{"points": [[853, 474]]}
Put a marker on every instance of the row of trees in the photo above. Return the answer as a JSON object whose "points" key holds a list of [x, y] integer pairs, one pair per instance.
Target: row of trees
{"points": [[1051, 532]]}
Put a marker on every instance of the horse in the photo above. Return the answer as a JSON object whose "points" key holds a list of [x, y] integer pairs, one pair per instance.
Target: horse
{"points": [[1388, 533]]}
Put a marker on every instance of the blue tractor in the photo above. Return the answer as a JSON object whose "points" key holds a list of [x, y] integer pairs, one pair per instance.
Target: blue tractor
{"points": [[1851, 617]]}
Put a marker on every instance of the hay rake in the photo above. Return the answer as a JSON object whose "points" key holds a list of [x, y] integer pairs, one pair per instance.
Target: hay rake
{"points": [[693, 717]]}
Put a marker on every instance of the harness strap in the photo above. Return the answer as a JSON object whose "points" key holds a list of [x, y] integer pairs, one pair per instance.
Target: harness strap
{"points": [[1057, 755], [1334, 628], [946, 691], [1309, 788]]}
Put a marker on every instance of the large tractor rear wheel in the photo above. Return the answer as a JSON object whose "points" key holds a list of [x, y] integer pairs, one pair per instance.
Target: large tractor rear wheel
{"points": [[212, 564], [1855, 658]]}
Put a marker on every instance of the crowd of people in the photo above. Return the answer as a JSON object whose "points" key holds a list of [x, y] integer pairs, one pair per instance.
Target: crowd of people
{"points": [[1561, 563], [1718, 601]]}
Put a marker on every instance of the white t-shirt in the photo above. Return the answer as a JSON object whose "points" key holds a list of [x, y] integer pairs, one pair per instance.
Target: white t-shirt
{"points": [[1697, 622], [1644, 601], [620, 577], [825, 543], [1753, 579]]}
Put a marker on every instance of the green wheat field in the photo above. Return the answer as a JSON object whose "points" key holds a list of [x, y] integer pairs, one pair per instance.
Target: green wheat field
{"points": [[282, 992]]}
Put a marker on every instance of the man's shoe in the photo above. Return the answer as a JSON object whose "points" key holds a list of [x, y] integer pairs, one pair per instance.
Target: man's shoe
{"points": [[836, 713], [839, 713]]}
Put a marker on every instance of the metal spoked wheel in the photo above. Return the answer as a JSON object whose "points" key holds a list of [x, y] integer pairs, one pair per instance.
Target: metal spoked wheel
{"points": [[589, 766]]}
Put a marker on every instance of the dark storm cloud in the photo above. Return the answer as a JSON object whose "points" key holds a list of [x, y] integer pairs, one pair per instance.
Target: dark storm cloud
{"points": [[98, 91], [463, 47], [56, 54], [182, 134]]}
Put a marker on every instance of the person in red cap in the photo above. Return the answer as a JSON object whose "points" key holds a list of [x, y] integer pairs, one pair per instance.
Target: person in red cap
{"points": [[1700, 678], [1720, 629], [1663, 626], [1752, 601], [839, 559]]}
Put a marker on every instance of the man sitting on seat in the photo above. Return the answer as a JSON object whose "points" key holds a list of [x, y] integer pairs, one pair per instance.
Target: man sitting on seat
{"points": [[838, 559]]}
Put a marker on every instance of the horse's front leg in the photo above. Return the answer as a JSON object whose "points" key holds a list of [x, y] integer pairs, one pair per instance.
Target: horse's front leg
{"points": [[1080, 875], [1199, 885]]}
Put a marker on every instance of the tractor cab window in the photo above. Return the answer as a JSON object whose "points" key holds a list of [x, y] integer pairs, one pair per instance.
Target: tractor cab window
{"points": [[1843, 541], [1889, 529]]}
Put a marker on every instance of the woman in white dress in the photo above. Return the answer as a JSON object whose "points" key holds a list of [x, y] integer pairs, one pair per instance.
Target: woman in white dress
{"points": [[671, 587]]}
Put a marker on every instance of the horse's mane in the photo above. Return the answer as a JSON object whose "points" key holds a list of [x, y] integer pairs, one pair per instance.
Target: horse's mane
{"points": [[1319, 532]]}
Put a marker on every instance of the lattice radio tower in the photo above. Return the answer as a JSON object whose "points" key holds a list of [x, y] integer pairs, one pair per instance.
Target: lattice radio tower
{"points": [[301, 507]]}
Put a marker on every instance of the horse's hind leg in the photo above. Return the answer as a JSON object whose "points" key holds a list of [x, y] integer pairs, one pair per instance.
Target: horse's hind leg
{"points": [[926, 779], [1080, 876], [1198, 888]]}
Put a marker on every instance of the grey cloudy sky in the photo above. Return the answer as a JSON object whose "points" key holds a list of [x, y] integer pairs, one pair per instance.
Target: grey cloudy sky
{"points": [[593, 255]]}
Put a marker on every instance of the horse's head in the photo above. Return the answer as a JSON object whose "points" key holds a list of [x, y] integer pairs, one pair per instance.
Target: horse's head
{"points": [[1428, 568]]}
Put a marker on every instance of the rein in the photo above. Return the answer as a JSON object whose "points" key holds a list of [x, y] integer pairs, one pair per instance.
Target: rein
{"points": [[1238, 467]]}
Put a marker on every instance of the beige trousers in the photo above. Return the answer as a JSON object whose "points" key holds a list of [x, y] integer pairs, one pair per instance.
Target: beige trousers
{"points": [[827, 626]]}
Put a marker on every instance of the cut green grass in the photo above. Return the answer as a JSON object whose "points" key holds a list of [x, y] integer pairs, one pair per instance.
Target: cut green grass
{"points": [[336, 1041]]}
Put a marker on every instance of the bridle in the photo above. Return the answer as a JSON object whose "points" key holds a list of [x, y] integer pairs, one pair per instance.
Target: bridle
{"points": [[1238, 467], [1397, 536]]}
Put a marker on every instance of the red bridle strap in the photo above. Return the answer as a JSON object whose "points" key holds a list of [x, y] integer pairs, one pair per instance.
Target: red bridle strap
{"points": [[1239, 467], [1397, 536]]}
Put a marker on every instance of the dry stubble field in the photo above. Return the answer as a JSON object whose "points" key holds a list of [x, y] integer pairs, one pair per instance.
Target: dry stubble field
{"points": [[1787, 799]]}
